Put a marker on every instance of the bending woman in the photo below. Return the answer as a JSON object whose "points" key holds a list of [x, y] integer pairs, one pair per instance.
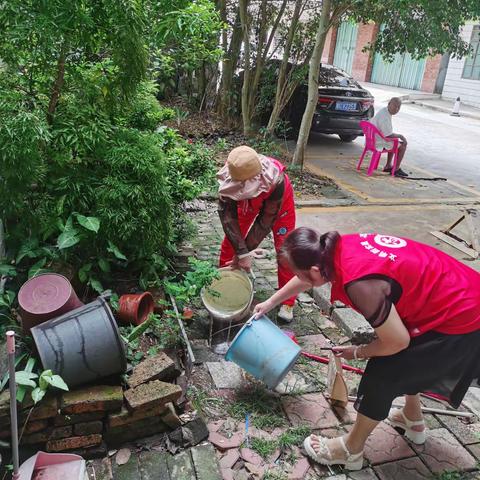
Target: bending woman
{"points": [[425, 308]]}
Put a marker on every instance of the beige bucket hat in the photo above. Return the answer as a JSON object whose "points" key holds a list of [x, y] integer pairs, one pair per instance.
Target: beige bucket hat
{"points": [[246, 174]]}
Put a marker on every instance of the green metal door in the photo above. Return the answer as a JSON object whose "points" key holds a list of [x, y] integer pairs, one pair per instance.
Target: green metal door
{"points": [[345, 46], [403, 72]]}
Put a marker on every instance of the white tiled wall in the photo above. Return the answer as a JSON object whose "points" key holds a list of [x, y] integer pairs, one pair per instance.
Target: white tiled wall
{"points": [[455, 85]]}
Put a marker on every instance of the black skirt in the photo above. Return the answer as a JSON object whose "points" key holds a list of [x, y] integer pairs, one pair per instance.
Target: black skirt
{"points": [[433, 362]]}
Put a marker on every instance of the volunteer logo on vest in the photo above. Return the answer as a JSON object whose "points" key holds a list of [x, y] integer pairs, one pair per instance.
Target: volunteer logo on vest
{"points": [[390, 242]]}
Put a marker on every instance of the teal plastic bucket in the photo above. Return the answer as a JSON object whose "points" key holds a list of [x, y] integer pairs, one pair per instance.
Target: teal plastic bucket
{"points": [[264, 351]]}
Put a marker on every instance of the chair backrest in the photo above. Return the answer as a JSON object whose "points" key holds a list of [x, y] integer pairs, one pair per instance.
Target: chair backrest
{"points": [[370, 130]]}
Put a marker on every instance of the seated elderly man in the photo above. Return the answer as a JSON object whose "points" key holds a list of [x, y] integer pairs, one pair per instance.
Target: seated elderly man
{"points": [[383, 121]]}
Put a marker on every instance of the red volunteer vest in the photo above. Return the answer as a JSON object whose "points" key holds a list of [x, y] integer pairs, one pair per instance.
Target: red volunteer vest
{"points": [[438, 292]]}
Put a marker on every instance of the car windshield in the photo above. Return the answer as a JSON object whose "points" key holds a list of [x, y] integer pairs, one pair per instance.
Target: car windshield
{"points": [[332, 76]]}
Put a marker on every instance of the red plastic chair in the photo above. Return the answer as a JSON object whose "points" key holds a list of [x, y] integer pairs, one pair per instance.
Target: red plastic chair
{"points": [[371, 131]]}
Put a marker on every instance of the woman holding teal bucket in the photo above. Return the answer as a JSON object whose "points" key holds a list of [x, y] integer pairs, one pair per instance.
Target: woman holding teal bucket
{"points": [[425, 308]]}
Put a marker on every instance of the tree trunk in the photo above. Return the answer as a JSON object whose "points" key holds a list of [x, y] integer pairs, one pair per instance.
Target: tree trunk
{"points": [[57, 86], [282, 74], [247, 126], [229, 64], [313, 74]]}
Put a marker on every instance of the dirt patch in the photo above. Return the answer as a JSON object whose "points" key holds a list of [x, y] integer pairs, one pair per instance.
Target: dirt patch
{"points": [[308, 186]]}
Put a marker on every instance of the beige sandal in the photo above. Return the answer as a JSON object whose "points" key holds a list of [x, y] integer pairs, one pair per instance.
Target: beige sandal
{"points": [[324, 456], [417, 437]]}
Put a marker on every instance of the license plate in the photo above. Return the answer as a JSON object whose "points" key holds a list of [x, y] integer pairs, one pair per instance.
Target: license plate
{"points": [[346, 106]]}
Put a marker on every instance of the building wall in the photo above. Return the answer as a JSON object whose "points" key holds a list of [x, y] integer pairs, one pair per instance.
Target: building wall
{"points": [[329, 48], [456, 86], [363, 61], [432, 68]]}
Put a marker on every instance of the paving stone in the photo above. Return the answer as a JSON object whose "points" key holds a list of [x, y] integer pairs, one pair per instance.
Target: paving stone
{"points": [[72, 443], [366, 474], [125, 416], [100, 469], [354, 325], [299, 470], [229, 459], [62, 432], [205, 462], [150, 394], [471, 400], [156, 367], [293, 384], [250, 456], [227, 474], [442, 451], [311, 409], [92, 399], [215, 426], [62, 420], [88, 428], [180, 466], [304, 298], [409, 468], [386, 445], [127, 471], [225, 374], [466, 433], [321, 296], [347, 415], [474, 450], [153, 466], [313, 343], [224, 443]]}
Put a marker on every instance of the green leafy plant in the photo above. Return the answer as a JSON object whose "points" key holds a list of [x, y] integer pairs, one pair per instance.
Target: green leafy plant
{"points": [[39, 383]]}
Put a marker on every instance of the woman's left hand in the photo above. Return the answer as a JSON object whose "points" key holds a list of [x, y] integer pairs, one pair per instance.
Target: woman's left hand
{"points": [[345, 352]]}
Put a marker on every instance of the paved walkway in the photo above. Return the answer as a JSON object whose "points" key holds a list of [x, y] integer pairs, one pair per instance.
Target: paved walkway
{"points": [[225, 394]]}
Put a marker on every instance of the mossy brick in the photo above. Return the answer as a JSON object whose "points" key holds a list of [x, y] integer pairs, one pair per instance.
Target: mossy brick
{"points": [[47, 408], [170, 417], [61, 420], [152, 393], [180, 466], [156, 367], [125, 416], [143, 428], [33, 427], [98, 451], [61, 432], [153, 466], [73, 443], [92, 399], [88, 428]]}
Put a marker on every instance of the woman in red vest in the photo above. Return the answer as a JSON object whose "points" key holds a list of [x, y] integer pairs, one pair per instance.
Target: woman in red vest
{"points": [[255, 198], [425, 308]]}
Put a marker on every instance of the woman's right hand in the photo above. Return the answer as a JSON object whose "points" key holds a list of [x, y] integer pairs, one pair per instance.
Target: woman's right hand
{"points": [[262, 308]]}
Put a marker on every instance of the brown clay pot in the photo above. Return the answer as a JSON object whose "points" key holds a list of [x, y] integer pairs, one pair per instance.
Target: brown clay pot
{"points": [[135, 307]]}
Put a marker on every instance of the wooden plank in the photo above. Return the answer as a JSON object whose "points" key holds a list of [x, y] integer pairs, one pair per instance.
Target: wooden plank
{"points": [[451, 227], [456, 244], [473, 221]]}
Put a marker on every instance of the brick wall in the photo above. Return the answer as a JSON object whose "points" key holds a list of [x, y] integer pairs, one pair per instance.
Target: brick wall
{"points": [[329, 48], [363, 61], [432, 68]]}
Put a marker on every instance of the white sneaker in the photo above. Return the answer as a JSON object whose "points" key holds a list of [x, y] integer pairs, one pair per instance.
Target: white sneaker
{"points": [[286, 313]]}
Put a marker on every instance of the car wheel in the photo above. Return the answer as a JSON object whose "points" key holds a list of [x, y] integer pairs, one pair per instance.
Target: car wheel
{"points": [[348, 138]]}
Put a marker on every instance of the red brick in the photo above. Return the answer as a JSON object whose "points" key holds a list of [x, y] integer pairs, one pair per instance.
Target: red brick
{"points": [[143, 428], [229, 459], [47, 408], [33, 427], [35, 438], [92, 399], [151, 394], [227, 474], [224, 443], [410, 468], [250, 456], [329, 48], [156, 367], [386, 445], [62, 420], [61, 432], [363, 61], [432, 69], [125, 417], [442, 452], [311, 409], [73, 443], [88, 428]]}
